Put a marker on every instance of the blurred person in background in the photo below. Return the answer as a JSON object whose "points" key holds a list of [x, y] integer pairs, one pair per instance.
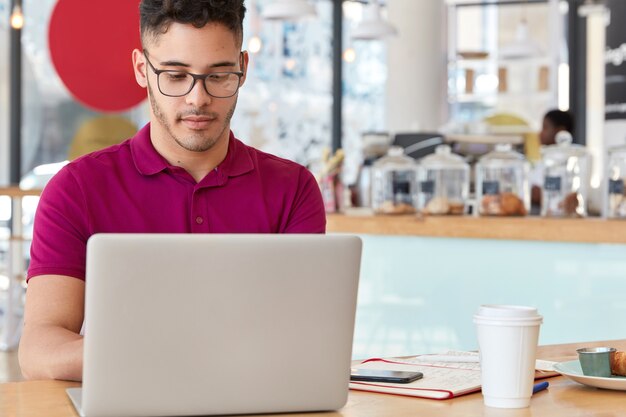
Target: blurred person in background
{"points": [[554, 121]]}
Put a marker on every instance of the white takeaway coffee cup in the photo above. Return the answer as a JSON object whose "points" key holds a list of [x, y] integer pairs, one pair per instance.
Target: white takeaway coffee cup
{"points": [[507, 342]]}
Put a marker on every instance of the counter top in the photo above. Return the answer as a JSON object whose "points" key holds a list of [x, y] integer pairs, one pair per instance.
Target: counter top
{"points": [[589, 230]]}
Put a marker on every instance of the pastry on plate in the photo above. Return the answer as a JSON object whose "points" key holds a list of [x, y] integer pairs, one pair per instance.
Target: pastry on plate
{"points": [[619, 364]]}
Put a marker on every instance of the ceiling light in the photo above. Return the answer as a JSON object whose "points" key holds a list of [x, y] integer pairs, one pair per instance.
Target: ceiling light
{"points": [[17, 17], [254, 44], [288, 10], [349, 55], [290, 64], [523, 46], [373, 26]]}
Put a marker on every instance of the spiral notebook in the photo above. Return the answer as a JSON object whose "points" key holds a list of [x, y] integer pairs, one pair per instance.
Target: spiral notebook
{"points": [[447, 375]]}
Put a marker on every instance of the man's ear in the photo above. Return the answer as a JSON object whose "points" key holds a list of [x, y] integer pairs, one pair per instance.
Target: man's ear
{"points": [[245, 59], [140, 68]]}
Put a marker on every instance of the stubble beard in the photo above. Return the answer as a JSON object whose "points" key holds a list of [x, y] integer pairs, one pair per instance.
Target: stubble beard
{"points": [[197, 142]]}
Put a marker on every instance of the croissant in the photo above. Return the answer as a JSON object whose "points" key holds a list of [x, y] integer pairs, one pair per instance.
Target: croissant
{"points": [[619, 364]]}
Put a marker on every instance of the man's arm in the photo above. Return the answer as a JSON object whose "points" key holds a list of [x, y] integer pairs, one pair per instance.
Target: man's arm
{"points": [[307, 212], [51, 346]]}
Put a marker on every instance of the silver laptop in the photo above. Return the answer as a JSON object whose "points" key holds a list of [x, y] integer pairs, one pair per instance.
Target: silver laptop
{"points": [[188, 324]]}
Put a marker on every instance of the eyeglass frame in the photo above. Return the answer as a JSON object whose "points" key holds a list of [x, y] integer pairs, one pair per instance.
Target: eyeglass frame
{"points": [[196, 77]]}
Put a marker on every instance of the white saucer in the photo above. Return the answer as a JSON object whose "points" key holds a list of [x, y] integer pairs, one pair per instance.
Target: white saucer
{"points": [[571, 370]]}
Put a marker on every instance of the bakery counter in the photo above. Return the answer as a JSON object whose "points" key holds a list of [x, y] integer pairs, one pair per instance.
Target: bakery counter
{"points": [[589, 230], [423, 278]]}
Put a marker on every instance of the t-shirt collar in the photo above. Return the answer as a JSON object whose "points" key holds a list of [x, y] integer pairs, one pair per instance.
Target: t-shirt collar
{"points": [[149, 162], [238, 160]]}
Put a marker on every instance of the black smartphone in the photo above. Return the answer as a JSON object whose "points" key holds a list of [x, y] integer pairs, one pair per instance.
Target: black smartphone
{"points": [[375, 375]]}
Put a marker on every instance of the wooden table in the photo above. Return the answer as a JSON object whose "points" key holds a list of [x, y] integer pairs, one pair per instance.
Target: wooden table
{"points": [[563, 398]]}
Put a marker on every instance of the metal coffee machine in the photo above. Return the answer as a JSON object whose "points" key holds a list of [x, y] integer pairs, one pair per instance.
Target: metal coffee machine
{"points": [[375, 145]]}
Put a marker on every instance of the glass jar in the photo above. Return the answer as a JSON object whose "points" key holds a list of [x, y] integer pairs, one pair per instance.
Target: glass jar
{"points": [[616, 177], [443, 183], [394, 183], [502, 183], [565, 178]]}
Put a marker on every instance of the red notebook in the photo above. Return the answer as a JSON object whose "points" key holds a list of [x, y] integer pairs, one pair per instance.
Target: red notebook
{"points": [[446, 376]]}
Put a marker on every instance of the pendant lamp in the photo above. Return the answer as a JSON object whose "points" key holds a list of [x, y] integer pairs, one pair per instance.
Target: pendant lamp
{"points": [[523, 46], [288, 10], [17, 17], [373, 26]]}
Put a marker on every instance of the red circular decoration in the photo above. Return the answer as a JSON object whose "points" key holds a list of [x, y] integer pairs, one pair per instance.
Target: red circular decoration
{"points": [[90, 45]]}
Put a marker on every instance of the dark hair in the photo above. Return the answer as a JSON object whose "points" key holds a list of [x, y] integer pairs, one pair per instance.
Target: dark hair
{"points": [[155, 16], [561, 119]]}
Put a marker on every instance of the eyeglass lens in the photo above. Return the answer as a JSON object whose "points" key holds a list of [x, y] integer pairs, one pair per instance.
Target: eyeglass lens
{"points": [[178, 83]]}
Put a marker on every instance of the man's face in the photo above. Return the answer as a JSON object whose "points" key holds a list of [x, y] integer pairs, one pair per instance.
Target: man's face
{"points": [[196, 121], [548, 132]]}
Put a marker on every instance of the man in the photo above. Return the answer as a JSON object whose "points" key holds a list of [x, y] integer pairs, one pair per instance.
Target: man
{"points": [[184, 172], [554, 121]]}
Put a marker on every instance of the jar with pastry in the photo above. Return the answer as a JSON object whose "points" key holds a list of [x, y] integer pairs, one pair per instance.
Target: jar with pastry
{"points": [[394, 183], [502, 183], [443, 183], [565, 179], [616, 203]]}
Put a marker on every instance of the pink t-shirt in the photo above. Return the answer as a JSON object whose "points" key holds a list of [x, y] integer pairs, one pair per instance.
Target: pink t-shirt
{"points": [[131, 188]]}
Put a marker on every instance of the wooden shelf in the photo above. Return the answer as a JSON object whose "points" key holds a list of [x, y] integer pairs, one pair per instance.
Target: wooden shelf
{"points": [[490, 139], [18, 192], [493, 61], [510, 228]]}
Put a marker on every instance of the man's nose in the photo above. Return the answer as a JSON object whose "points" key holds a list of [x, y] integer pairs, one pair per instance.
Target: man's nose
{"points": [[198, 95]]}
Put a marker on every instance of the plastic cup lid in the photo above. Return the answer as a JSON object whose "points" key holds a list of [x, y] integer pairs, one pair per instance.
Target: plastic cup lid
{"points": [[507, 313], [496, 311]]}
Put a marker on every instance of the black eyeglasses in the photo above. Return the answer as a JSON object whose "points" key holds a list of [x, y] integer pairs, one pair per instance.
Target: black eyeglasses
{"points": [[174, 83]]}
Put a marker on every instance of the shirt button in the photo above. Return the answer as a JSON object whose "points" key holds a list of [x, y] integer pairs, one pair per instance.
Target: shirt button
{"points": [[199, 220]]}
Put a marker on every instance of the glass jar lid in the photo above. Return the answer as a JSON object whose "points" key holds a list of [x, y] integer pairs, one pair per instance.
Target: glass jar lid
{"points": [[443, 158], [618, 152], [395, 159], [502, 155], [564, 148]]}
